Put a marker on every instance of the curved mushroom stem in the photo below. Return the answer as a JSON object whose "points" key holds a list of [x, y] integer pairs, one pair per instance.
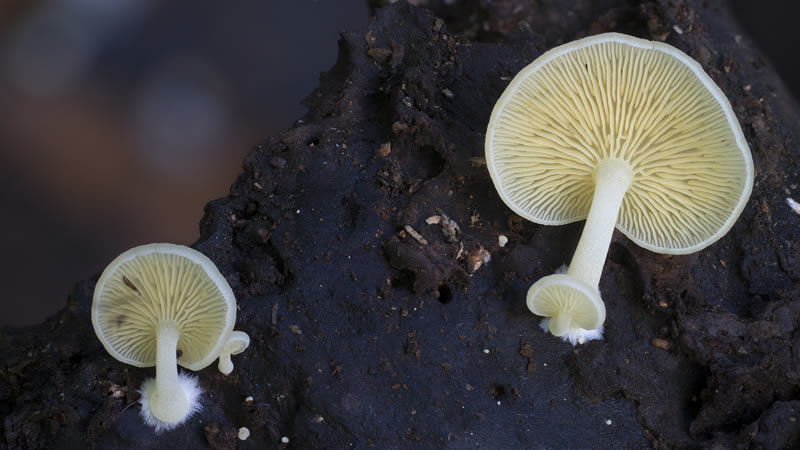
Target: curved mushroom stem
{"points": [[612, 179], [169, 400], [237, 343]]}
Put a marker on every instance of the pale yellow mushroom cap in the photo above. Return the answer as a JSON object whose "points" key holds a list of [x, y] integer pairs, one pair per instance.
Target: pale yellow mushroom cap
{"points": [[613, 96], [153, 283], [556, 294]]}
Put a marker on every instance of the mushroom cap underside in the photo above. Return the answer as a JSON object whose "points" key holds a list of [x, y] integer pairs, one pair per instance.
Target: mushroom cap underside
{"points": [[613, 96], [559, 294], [153, 283], [238, 342]]}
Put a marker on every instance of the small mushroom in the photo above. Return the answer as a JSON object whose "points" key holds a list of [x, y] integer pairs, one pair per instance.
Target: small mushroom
{"points": [[624, 133], [237, 343], [162, 305], [502, 240]]}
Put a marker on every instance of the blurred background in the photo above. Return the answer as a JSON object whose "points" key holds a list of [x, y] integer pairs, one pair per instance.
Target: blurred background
{"points": [[120, 119]]}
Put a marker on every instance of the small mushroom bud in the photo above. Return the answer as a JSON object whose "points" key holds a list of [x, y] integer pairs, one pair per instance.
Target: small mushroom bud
{"points": [[238, 342]]}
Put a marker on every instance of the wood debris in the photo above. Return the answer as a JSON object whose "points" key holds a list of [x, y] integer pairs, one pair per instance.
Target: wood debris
{"points": [[415, 235], [384, 150], [663, 344], [450, 228], [478, 162], [477, 258]]}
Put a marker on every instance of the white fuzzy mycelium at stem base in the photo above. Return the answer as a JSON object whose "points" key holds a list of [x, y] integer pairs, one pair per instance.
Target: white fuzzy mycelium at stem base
{"points": [[576, 335], [170, 398], [188, 384]]}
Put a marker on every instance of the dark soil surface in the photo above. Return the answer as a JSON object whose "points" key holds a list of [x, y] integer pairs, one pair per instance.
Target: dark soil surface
{"points": [[364, 336]]}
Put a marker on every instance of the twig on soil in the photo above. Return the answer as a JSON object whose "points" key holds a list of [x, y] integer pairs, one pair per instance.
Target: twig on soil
{"points": [[415, 235]]}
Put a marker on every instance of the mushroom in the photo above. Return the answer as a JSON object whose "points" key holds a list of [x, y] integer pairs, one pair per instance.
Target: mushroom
{"points": [[163, 305], [237, 343], [621, 132]]}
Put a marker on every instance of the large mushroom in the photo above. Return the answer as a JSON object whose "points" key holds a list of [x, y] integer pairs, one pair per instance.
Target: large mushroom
{"points": [[162, 305], [621, 132]]}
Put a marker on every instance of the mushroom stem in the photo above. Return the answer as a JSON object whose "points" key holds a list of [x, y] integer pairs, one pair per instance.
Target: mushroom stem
{"points": [[560, 324], [168, 401], [612, 179], [225, 364]]}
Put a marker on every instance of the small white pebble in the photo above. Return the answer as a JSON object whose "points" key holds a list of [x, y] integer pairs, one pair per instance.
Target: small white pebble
{"points": [[285, 440], [249, 399], [498, 403], [545, 364], [677, 29], [486, 350], [502, 240], [608, 421], [793, 204], [298, 211], [244, 433]]}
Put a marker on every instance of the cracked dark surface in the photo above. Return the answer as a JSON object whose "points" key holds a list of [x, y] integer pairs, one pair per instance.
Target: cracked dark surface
{"points": [[363, 336]]}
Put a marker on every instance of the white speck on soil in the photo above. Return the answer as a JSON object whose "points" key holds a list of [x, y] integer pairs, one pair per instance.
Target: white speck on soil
{"points": [[793, 204]]}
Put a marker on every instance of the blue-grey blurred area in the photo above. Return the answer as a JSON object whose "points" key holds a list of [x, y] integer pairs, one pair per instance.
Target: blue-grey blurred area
{"points": [[120, 119]]}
